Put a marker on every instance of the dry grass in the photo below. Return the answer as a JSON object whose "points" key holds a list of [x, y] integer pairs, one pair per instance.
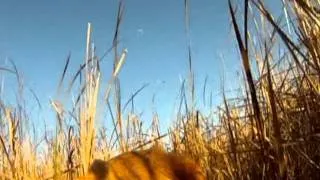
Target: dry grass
{"points": [[272, 131]]}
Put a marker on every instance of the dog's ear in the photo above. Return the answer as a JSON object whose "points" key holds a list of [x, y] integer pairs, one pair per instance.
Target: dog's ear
{"points": [[87, 177], [99, 169]]}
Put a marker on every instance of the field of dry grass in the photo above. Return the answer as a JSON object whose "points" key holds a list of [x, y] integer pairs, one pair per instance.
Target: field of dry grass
{"points": [[270, 131]]}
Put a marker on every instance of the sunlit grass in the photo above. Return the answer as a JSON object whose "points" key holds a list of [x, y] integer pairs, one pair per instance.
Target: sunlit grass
{"points": [[272, 132]]}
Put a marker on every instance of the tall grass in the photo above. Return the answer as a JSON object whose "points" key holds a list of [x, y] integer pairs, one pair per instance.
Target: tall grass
{"points": [[270, 132]]}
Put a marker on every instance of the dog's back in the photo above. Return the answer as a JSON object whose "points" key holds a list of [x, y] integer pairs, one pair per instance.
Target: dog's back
{"points": [[152, 164]]}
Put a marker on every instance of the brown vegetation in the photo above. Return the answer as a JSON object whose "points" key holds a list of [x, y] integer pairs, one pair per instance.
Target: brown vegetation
{"points": [[270, 130]]}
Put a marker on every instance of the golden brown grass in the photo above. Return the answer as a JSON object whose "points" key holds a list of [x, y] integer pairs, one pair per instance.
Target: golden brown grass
{"points": [[270, 130]]}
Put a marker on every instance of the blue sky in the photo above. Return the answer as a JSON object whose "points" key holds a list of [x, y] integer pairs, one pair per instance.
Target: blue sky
{"points": [[38, 35]]}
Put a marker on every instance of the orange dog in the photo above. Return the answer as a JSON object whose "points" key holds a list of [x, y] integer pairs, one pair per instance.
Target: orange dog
{"points": [[152, 164]]}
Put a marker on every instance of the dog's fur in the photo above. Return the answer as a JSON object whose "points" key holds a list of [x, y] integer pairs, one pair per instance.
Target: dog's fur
{"points": [[151, 164]]}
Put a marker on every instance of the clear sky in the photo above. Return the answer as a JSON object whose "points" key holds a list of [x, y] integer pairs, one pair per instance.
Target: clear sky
{"points": [[38, 35]]}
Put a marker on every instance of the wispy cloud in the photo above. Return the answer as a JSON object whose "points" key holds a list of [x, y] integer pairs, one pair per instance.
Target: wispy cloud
{"points": [[140, 32]]}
